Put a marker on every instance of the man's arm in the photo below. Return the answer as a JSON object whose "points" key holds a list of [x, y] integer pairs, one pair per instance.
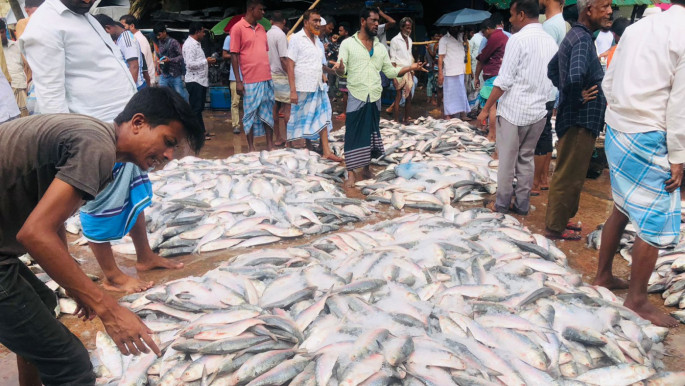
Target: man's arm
{"points": [[48, 75], [235, 62], [479, 69], [290, 65], [40, 235], [175, 53], [577, 72], [133, 68], [553, 70], [492, 99], [441, 65], [389, 21], [675, 117], [487, 51]]}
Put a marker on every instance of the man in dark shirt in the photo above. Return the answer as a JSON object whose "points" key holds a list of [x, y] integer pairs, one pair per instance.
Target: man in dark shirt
{"points": [[489, 62], [575, 70], [171, 60], [49, 164]]}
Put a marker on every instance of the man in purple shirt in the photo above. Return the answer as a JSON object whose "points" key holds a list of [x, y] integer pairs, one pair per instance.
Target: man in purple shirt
{"points": [[489, 62]]}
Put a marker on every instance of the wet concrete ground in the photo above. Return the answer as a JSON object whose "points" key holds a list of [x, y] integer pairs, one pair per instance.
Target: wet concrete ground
{"points": [[595, 206]]}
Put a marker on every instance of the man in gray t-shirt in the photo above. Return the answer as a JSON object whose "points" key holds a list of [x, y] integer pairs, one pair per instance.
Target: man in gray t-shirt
{"points": [[50, 164]]}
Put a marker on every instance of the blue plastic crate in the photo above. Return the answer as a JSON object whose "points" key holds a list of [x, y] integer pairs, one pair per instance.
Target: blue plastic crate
{"points": [[220, 98]]}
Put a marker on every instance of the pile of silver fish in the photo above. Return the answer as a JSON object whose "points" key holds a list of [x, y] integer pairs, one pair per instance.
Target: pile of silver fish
{"points": [[466, 297], [668, 277], [426, 136], [245, 200]]}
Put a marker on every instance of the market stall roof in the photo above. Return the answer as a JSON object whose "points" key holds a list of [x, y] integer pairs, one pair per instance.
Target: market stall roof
{"points": [[504, 4]]}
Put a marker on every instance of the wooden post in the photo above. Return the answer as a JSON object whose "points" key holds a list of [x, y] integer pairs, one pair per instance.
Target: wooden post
{"points": [[297, 24]]}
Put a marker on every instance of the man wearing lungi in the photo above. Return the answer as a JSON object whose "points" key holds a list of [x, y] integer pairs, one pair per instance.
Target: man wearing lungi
{"points": [[311, 109], [250, 61], [361, 58], [522, 90], [451, 69], [278, 56], [401, 56], [645, 147], [489, 63]]}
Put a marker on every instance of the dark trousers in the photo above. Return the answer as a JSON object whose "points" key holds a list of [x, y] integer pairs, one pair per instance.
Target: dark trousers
{"points": [[197, 94], [574, 151], [544, 144], [28, 328]]}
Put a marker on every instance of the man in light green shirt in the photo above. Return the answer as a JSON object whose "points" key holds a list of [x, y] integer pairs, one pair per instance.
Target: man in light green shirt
{"points": [[361, 58]]}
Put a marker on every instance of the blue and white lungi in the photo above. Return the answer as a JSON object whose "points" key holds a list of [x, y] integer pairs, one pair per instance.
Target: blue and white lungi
{"points": [[639, 167], [112, 214], [454, 98], [258, 105], [310, 115]]}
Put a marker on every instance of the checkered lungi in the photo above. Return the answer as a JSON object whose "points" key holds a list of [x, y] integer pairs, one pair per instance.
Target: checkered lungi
{"points": [[310, 115], [258, 105], [639, 167]]}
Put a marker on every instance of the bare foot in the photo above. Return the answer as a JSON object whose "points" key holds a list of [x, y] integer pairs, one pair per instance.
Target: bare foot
{"points": [[125, 283], [648, 311], [333, 157], [351, 179], [367, 174], [155, 261], [611, 283]]}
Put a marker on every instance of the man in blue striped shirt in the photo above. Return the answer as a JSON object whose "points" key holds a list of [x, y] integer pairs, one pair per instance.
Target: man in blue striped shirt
{"points": [[575, 70]]}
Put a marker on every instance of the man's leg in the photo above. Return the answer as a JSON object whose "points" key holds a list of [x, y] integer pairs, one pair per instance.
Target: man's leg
{"points": [[286, 117], [277, 121], [407, 108], [507, 147], [492, 124], [544, 181], [178, 86], [269, 137], [28, 328], [250, 141], [539, 161], [163, 81], [147, 259], [235, 109], [644, 260], [396, 105], [326, 148], [528, 138], [196, 101], [611, 237], [115, 279]]}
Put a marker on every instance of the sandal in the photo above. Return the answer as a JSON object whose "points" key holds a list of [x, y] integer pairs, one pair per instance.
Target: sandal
{"points": [[534, 193], [568, 235], [544, 188], [341, 117], [574, 226]]}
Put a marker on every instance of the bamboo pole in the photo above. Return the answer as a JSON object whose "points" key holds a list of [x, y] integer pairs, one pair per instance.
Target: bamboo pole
{"points": [[297, 24]]}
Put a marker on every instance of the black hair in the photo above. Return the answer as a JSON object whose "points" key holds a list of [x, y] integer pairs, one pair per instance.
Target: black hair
{"points": [[345, 25], [129, 20], [330, 20], [253, 3], [104, 20], [530, 8], [195, 27], [160, 106], [277, 16], [366, 11], [681, 2], [33, 3], [619, 26], [497, 18], [488, 24], [159, 27], [2, 24], [308, 13]]}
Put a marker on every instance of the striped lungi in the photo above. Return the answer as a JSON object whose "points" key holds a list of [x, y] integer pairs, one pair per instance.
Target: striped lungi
{"points": [[112, 214], [310, 115], [362, 136], [639, 169], [258, 107], [281, 88], [454, 95]]}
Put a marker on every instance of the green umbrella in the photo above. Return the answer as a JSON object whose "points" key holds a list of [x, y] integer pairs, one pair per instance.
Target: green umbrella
{"points": [[218, 29]]}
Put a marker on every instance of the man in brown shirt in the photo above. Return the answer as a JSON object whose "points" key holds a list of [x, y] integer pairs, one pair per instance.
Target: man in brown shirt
{"points": [[49, 164]]}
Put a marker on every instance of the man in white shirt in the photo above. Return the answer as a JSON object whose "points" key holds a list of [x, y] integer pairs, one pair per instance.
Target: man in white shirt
{"points": [[401, 56], [8, 105], [128, 45], [604, 40], [278, 54], [131, 23], [71, 65], [645, 147], [521, 90], [197, 70], [383, 28], [310, 115], [15, 68], [451, 69]]}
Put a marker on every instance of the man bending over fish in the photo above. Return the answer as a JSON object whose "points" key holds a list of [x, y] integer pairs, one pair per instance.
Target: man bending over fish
{"points": [[645, 147], [49, 164], [362, 58]]}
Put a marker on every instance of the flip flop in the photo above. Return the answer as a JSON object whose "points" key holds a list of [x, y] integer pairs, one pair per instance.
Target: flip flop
{"points": [[568, 235], [544, 188], [534, 193], [574, 226]]}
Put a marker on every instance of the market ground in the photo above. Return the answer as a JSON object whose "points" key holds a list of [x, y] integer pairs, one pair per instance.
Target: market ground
{"points": [[595, 206]]}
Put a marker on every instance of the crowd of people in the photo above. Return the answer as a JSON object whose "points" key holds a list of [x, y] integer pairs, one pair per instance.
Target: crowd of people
{"points": [[102, 126]]}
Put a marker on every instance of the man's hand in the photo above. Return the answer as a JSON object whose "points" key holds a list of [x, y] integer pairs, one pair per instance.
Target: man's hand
{"points": [[339, 68], [211, 60], [441, 79], [164, 60], [240, 88], [676, 178], [480, 121], [476, 83], [589, 94], [293, 96], [418, 66], [83, 311], [129, 333]]}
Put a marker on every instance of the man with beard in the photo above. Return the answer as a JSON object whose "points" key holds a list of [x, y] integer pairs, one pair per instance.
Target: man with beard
{"points": [[401, 56], [574, 70], [361, 58]]}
